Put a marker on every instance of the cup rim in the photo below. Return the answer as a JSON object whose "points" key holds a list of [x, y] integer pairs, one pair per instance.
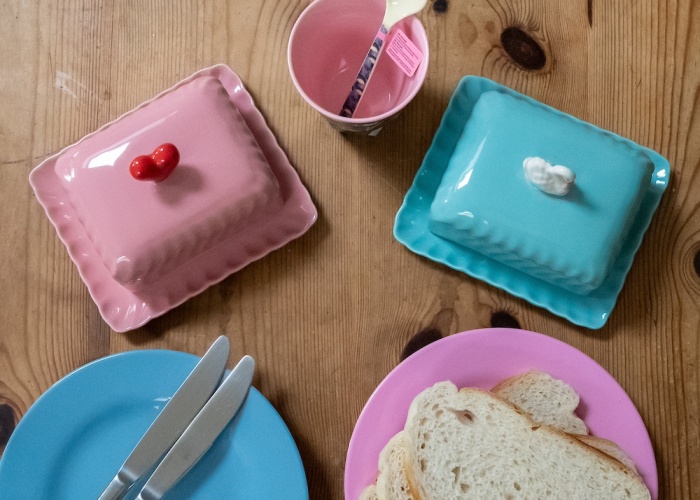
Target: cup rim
{"points": [[420, 73]]}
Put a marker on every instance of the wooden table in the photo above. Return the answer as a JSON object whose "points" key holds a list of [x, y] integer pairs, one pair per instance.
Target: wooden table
{"points": [[329, 315]]}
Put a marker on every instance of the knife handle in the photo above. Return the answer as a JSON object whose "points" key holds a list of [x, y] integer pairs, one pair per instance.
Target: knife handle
{"points": [[363, 76]]}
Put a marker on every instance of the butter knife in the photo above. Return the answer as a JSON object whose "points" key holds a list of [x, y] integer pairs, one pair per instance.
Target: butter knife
{"points": [[202, 432], [172, 420]]}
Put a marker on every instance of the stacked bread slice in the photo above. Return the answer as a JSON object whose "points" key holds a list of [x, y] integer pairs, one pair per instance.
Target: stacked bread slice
{"points": [[521, 440], [550, 401]]}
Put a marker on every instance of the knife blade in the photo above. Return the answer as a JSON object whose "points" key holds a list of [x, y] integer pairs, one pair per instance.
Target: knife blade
{"points": [[172, 420], [202, 432]]}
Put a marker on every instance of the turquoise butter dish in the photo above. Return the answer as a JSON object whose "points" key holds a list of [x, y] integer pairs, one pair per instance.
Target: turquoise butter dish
{"points": [[532, 200]]}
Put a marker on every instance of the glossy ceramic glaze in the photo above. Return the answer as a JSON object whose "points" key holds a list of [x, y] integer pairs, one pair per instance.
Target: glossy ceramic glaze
{"points": [[78, 433], [156, 166], [486, 202], [396, 10], [326, 49], [483, 358], [210, 218], [412, 225], [145, 230]]}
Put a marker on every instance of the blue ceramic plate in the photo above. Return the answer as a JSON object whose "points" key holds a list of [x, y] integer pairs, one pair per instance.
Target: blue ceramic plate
{"points": [[411, 225], [75, 437]]}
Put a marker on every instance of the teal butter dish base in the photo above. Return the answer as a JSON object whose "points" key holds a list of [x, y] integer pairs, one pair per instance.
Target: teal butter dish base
{"points": [[411, 225]]}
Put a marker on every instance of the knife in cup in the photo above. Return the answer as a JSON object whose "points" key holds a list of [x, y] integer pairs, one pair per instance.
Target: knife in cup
{"points": [[172, 420], [202, 432]]}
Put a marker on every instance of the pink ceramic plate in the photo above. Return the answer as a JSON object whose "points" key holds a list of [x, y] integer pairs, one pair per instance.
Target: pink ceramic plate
{"points": [[123, 309], [483, 358]]}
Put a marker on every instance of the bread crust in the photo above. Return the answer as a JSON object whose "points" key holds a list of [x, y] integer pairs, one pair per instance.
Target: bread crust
{"points": [[545, 399], [405, 471], [442, 413]]}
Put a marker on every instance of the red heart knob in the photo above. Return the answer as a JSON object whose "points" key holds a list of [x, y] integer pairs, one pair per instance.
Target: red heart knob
{"points": [[157, 166]]}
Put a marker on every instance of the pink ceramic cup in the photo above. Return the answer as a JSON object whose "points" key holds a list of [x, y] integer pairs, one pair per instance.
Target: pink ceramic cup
{"points": [[327, 47]]}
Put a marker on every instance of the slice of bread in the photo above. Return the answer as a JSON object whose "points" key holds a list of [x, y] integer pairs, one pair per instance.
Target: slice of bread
{"points": [[545, 399], [550, 401], [472, 444], [369, 493], [609, 448], [394, 480]]}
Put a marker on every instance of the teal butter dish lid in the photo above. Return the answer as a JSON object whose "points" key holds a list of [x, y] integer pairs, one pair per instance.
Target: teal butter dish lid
{"points": [[532, 200]]}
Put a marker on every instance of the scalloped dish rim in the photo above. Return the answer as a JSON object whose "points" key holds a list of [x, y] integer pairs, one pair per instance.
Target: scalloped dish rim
{"points": [[411, 223], [125, 310]]}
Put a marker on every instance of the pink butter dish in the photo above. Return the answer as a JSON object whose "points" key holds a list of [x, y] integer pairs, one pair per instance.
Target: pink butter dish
{"points": [[144, 246]]}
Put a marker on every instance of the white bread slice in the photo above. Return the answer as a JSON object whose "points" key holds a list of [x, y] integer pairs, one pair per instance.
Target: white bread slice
{"points": [[472, 444], [369, 493], [545, 399], [609, 448], [526, 389], [394, 480]]}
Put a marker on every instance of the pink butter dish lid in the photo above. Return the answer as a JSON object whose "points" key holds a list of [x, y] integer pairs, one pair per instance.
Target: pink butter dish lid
{"points": [[143, 247]]}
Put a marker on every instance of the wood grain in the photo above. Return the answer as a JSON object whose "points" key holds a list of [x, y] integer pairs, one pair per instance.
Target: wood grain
{"points": [[329, 315]]}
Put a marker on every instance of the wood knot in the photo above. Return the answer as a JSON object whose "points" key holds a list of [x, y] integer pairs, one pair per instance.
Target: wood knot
{"points": [[523, 49], [440, 6], [420, 340], [503, 319], [696, 263], [7, 423]]}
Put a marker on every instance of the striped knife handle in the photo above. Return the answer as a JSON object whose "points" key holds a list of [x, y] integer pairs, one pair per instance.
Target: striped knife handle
{"points": [[358, 87]]}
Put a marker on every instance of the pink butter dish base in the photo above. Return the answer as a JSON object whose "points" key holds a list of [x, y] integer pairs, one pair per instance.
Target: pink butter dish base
{"points": [[483, 358], [125, 310]]}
